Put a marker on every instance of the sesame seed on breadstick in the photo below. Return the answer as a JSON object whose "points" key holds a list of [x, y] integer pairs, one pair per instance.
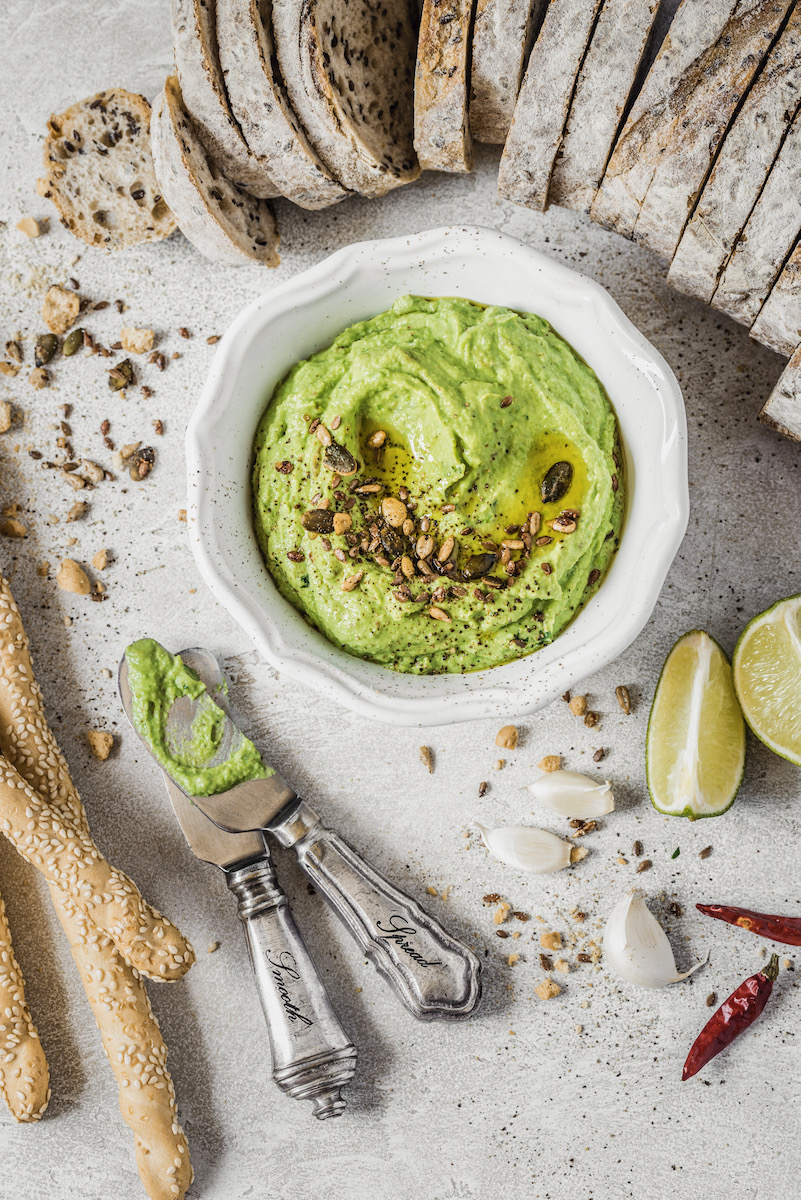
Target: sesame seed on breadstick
{"points": [[24, 1077], [69, 858], [115, 992]]}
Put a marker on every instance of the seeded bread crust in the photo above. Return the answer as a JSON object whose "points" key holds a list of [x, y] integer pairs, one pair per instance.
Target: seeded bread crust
{"points": [[24, 1078], [220, 220], [99, 172], [696, 26], [739, 174], [779, 322], [767, 239], [543, 104], [259, 102], [194, 42], [604, 85], [442, 86], [503, 33], [685, 161], [116, 993], [782, 409], [348, 69]]}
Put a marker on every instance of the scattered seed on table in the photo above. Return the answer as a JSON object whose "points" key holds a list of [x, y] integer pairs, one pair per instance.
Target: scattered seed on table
{"points": [[482, 788], [711, 1000], [636, 849], [705, 853], [598, 755], [645, 865]]}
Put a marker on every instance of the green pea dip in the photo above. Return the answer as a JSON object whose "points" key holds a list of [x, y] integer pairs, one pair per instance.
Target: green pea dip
{"points": [[436, 424], [157, 679]]}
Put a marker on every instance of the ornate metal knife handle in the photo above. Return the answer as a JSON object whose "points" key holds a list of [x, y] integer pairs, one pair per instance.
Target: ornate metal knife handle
{"points": [[312, 1056], [434, 975]]}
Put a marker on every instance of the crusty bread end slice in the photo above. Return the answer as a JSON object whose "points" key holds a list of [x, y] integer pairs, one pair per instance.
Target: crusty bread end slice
{"points": [[779, 322], [782, 410], [99, 172], [197, 61], [224, 223], [442, 85]]}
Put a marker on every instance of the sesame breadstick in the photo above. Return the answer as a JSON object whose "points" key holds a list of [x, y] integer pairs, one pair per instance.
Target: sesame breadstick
{"points": [[130, 1032], [24, 1078], [69, 858]]}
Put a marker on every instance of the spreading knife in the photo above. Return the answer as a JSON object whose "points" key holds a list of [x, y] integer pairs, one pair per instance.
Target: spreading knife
{"points": [[433, 974], [312, 1055]]}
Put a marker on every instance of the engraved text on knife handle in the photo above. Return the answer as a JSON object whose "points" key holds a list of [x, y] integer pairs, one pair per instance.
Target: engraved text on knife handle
{"points": [[312, 1056], [434, 974]]}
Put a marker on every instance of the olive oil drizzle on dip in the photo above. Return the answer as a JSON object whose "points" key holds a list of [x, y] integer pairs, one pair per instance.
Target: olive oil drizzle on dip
{"points": [[441, 489]]}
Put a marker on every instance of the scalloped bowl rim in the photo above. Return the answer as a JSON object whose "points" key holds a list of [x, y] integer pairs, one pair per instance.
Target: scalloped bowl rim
{"points": [[308, 310]]}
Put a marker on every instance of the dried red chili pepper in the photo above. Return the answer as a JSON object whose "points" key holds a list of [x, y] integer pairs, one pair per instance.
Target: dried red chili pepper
{"points": [[775, 928], [732, 1018]]}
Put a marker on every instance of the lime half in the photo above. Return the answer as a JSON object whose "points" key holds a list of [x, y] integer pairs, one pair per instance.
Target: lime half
{"points": [[767, 677], [695, 748]]}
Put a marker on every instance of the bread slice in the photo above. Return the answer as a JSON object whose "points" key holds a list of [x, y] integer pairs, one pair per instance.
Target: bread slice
{"points": [[442, 86], [224, 223], [99, 172], [542, 106], [348, 68], [503, 32], [782, 410], [768, 237], [696, 26], [607, 77], [743, 164], [685, 160], [259, 103], [779, 322], [194, 43]]}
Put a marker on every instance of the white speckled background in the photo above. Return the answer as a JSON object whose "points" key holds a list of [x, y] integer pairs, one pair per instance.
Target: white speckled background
{"points": [[514, 1103]]}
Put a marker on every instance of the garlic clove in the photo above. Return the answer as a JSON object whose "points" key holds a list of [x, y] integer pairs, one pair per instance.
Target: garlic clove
{"points": [[573, 795], [636, 946], [528, 849]]}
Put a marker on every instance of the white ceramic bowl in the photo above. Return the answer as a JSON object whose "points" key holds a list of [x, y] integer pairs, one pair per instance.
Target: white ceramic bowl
{"points": [[303, 315]]}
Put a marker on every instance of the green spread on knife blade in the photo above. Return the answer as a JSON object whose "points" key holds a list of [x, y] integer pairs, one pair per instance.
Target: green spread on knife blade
{"points": [[157, 679]]}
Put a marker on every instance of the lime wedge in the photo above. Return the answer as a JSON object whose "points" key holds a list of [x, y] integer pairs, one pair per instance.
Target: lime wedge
{"points": [[767, 677], [695, 748]]}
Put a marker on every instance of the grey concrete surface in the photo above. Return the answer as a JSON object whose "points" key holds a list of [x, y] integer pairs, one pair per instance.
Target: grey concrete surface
{"points": [[517, 1102]]}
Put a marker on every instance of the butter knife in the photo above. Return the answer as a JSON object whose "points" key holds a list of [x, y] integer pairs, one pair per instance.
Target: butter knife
{"points": [[312, 1055], [434, 975]]}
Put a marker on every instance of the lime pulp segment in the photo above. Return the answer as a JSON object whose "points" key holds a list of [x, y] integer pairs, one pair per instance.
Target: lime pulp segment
{"points": [[767, 677]]}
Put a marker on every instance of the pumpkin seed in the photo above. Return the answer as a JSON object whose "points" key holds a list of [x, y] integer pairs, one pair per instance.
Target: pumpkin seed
{"points": [[318, 520], [392, 541], [340, 460], [46, 348], [556, 482], [478, 565], [121, 375]]}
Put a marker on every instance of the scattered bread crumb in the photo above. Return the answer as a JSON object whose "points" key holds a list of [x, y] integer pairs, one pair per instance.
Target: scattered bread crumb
{"points": [[579, 1029], [578, 705], [512, 959], [561, 966], [72, 578], [6, 414], [432, 891], [212, 946], [60, 308], [551, 762], [507, 737], [501, 912], [551, 941], [100, 560], [29, 226], [426, 757], [39, 378], [500, 764], [182, 514], [13, 528], [100, 743], [547, 989], [137, 341]]}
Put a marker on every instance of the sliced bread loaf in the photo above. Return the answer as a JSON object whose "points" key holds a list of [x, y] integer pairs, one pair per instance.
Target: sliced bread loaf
{"points": [[738, 176], [194, 43], [503, 32], [348, 69], [224, 223], [602, 93], [442, 86], [782, 409], [259, 103], [768, 237], [779, 322], [696, 27], [685, 160], [542, 106], [99, 172]]}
